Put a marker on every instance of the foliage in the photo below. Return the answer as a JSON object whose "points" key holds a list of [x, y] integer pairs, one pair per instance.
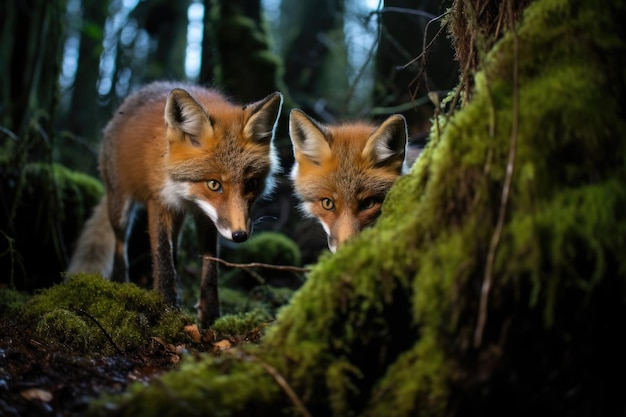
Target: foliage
{"points": [[240, 324], [9, 298], [414, 315]]}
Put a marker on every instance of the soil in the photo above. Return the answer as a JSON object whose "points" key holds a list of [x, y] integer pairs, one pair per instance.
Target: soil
{"points": [[40, 378]]}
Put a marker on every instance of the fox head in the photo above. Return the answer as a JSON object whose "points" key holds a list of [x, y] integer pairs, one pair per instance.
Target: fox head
{"points": [[220, 156], [342, 173]]}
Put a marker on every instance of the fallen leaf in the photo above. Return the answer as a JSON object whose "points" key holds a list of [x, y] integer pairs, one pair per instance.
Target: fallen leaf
{"points": [[33, 394], [193, 332], [221, 346]]}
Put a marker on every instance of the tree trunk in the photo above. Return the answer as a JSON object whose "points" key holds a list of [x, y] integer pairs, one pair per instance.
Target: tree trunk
{"points": [[30, 65], [166, 23], [84, 105], [315, 55], [245, 67], [32, 40]]}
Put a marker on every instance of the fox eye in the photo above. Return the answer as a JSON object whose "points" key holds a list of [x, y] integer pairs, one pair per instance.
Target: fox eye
{"points": [[367, 203], [213, 185], [252, 184], [327, 204]]}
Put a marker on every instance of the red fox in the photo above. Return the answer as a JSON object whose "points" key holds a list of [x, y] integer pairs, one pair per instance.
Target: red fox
{"points": [[342, 173], [176, 149]]}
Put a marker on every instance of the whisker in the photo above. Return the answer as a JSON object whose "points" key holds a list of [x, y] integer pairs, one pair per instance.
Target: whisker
{"points": [[262, 219]]}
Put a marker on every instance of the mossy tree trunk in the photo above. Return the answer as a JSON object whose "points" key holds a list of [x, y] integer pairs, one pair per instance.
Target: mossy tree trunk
{"points": [[84, 106], [166, 23], [315, 60], [243, 64], [238, 57]]}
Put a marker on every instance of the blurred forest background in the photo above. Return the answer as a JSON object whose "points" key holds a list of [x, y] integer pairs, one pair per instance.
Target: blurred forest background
{"points": [[65, 65]]}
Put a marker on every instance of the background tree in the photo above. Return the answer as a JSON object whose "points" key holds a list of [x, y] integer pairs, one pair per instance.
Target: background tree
{"points": [[312, 44], [31, 41], [165, 22], [84, 107], [246, 68]]}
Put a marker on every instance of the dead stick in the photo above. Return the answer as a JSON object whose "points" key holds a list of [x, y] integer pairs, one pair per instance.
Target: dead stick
{"points": [[495, 239], [280, 380], [258, 265], [106, 334]]}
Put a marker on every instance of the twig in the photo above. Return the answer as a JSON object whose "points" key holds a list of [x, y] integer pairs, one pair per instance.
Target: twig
{"points": [[258, 265], [280, 380], [14, 257], [424, 57], [425, 48], [495, 239], [83, 312], [9, 133], [403, 10]]}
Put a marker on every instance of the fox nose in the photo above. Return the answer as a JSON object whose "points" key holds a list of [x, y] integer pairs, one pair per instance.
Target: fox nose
{"points": [[240, 236]]}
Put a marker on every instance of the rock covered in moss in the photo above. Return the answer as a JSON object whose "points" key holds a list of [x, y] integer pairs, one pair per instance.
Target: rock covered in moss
{"points": [[49, 204], [86, 310]]}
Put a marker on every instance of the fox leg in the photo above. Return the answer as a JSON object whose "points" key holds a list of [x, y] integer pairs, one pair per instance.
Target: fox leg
{"points": [[163, 227], [208, 304], [119, 209]]}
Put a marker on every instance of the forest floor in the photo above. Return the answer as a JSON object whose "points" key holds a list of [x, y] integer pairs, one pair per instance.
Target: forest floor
{"points": [[43, 378]]}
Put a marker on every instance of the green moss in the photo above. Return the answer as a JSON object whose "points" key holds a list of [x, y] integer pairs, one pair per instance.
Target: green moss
{"points": [[266, 247], [240, 324], [232, 383], [11, 299], [76, 192], [260, 287], [45, 210], [72, 313], [263, 298]]}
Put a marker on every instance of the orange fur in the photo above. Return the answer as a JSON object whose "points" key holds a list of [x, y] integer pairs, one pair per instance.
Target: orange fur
{"points": [[342, 173], [178, 148]]}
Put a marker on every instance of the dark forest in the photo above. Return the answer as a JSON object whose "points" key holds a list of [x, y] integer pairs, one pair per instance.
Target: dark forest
{"points": [[492, 282]]}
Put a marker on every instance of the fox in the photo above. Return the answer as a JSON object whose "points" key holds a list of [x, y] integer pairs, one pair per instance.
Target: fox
{"points": [[343, 172], [179, 149]]}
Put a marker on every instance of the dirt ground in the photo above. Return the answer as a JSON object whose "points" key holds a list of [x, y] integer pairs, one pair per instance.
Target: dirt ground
{"points": [[40, 378]]}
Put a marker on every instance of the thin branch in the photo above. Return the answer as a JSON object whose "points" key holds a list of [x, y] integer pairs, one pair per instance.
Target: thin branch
{"points": [[14, 256], [360, 72], [425, 51], [258, 265], [495, 239], [403, 10], [9, 133], [282, 382], [425, 48], [83, 312]]}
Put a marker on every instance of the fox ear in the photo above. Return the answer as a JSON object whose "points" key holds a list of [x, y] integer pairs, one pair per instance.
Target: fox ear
{"points": [[387, 145], [263, 117], [184, 114], [308, 137]]}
